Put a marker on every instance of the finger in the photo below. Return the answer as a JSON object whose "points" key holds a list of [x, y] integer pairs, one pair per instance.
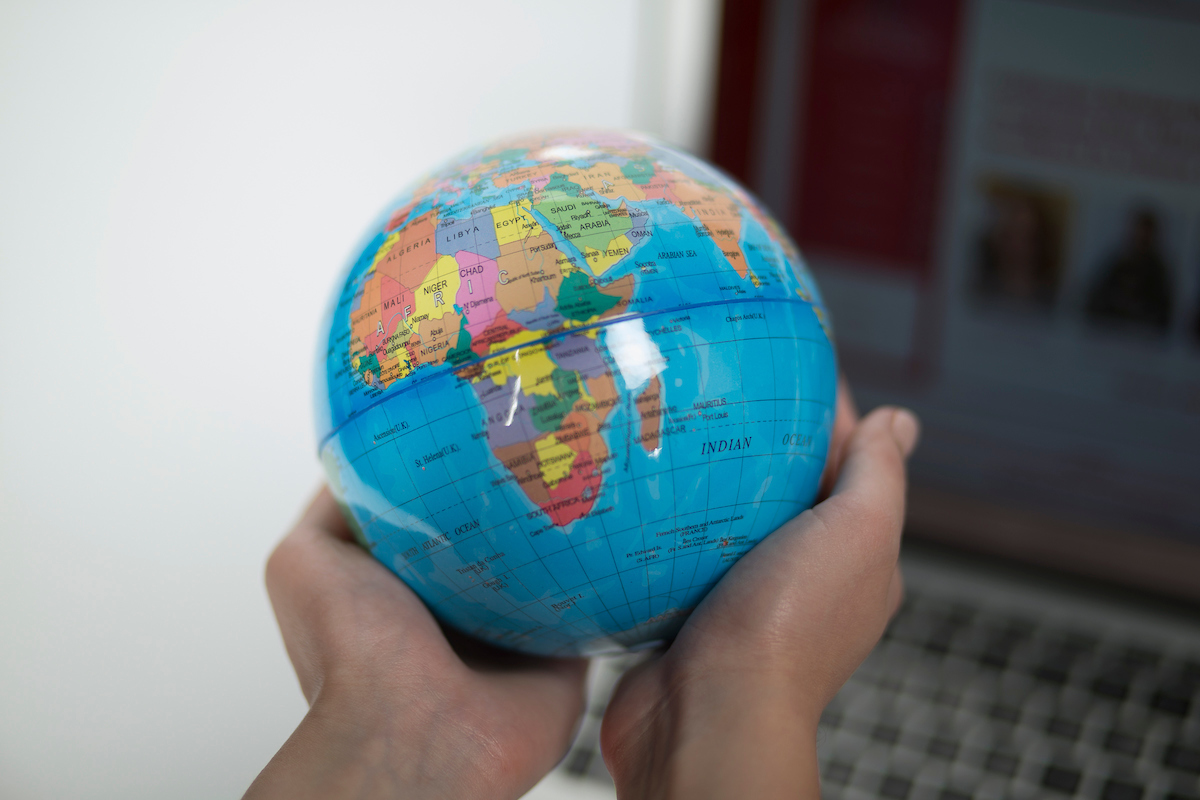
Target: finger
{"points": [[857, 531], [847, 409], [869, 493], [317, 554], [815, 595], [844, 421], [850, 540], [895, 592], [338, 606], [862, 522], [540, 699], [324, 515]]}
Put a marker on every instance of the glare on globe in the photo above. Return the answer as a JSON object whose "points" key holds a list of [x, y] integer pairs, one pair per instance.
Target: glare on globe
{"points": [[568, 381]]}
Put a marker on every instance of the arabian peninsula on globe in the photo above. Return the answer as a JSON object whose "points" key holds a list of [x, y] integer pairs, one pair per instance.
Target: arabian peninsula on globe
{"points": [[569, 380]]}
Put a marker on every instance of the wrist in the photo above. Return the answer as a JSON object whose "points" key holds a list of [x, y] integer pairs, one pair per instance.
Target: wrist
{"points": [[379, 751], [735, 733]]}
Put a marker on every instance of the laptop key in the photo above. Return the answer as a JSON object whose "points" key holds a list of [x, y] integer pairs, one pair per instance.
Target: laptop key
{"points": [[1174, 700], [894, 786], [1002, 764], [579, 762], [1064, 728], [838, 772], [961, 615], [1053, 670], [996, 656], [1119, 790], [1182, 758], [1114, 685], [1061, 779], [943, 748], [1079, 643], [1141, 657], [1124, 743], [1004, 712], [1002, 640], [939, 642], [888, 734]]}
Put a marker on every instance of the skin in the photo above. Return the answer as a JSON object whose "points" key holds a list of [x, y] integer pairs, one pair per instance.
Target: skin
{"points": [[400, 707], [731, 708]]}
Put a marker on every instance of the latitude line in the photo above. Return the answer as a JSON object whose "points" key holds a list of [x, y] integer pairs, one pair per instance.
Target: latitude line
{"points": [[488, 468], [439, 370], [742, 405]]}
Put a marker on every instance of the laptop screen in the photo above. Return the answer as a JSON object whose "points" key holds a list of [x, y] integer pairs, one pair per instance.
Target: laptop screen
{"points": [[1000, 200]]}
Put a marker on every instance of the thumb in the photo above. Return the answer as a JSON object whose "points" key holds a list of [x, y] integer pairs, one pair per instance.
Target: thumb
{"points": [[836, 560], [872, 482], [860, 524]]}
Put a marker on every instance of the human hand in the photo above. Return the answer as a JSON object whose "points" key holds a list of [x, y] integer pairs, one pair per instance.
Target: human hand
{"points": [[396, 708], [730, 709]]}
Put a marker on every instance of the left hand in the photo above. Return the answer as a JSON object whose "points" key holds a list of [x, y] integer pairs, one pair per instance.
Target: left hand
{"points": [[396, 708]]}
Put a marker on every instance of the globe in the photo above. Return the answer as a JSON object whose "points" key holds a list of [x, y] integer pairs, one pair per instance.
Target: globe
{"points": [[567, 381]]}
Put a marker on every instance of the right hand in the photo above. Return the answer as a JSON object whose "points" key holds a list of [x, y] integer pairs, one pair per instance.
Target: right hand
{"points": [[730, 709]]}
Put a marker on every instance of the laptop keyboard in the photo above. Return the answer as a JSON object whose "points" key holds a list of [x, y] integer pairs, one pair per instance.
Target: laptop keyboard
{"points": [[961, 702]]}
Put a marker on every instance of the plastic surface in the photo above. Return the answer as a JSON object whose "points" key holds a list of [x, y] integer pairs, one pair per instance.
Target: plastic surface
{"points": [[569, 380]]}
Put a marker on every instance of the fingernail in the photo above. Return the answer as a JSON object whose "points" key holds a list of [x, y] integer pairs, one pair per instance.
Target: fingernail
{"points": [[906, 430]]}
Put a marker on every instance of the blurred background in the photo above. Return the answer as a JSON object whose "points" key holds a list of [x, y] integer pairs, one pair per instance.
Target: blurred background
{"points": [[1000, 200], [179, 185], [1001, 203]]}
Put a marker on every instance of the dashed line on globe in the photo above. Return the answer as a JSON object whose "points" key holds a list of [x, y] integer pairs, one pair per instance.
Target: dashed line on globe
{"points": [[521, 516], [443, 370], [488, 469], [541, 557], [569, 590], [805, 400]]}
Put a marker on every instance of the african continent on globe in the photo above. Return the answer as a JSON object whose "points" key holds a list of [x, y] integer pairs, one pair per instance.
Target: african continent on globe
{"points": [[569, 380]]}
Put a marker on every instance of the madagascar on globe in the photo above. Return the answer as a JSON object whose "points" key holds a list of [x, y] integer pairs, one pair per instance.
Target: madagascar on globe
{"points": [[568, 380]]}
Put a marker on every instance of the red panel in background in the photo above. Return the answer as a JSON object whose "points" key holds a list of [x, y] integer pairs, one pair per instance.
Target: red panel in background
{"points": [[879, 77], [737, 86]]}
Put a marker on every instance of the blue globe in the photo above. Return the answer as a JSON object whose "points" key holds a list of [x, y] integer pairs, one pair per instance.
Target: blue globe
{"points": [[568, 380]]}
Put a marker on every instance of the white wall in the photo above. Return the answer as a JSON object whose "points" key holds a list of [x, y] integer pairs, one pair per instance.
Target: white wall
{"points": [[179, 183]]}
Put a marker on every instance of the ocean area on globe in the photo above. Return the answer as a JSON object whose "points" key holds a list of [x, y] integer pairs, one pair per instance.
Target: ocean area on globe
{"points": [[566, 382]]}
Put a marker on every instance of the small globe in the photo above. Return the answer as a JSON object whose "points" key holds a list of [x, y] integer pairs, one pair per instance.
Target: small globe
{"points": [[570, 379]]}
